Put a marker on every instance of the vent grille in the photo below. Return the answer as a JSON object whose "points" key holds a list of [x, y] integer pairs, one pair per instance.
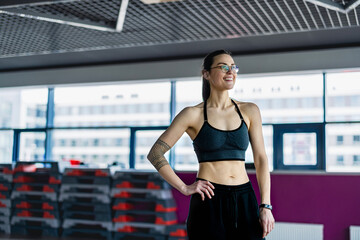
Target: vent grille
{"points": [[354, 232], [297, 231], [156, 24]]}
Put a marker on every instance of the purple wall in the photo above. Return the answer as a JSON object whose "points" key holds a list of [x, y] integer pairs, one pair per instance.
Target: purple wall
{"points": [[328, 199]]}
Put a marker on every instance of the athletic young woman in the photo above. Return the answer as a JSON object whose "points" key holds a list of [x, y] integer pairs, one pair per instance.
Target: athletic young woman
{"points": [[223, 204]]}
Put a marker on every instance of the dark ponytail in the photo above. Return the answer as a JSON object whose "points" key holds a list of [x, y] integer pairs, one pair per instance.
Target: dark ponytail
{"points": [[208, 61]]}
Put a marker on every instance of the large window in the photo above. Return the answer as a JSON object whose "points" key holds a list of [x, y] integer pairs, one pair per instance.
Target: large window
{"points": [[6, 146], [145, 104], [185, 156], [343, 97], [343, 105], [32, 146], [23, 108], [188, 93], [343, 147], [283, 99], [144, 141], [91, 147], [268, 142], [115, 125]]}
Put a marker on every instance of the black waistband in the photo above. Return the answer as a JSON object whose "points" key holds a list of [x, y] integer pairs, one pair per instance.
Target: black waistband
{"points": [[241, 187]]}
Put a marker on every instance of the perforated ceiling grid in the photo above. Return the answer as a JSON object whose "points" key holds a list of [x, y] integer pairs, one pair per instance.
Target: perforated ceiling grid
{"points": [[154, 24]]}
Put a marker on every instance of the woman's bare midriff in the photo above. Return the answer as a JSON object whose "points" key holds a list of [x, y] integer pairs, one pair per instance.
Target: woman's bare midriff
{"points": [[224, 172]]}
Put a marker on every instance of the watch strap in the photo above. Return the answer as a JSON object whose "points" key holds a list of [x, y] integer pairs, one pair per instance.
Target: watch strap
{"points": [[268, 206]]}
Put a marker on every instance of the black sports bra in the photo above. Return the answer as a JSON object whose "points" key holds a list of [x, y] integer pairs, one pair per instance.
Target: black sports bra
{"points": [[212, 144]]}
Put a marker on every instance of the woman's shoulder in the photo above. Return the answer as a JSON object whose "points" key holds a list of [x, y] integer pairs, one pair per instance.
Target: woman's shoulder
{"points": [[192, 112], [250, 109], [246, 105]]}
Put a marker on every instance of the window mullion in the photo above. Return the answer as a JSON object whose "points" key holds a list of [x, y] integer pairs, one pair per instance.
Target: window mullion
{"points": [[16, 146], [172, 116], [49, 124]]}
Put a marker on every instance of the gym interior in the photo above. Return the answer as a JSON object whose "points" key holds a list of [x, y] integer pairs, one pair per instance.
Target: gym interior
{"points": [[87, 87]]}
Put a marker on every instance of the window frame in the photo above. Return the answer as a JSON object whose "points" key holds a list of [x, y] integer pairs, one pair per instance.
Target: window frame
{"points": [[16, 144], [281, 129]]}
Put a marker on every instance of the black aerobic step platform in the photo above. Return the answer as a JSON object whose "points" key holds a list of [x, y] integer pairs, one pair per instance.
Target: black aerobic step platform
{"points": [[35, 221], [5, 194], [87, 234], [137, 175], [44, 178], [36, 187], [40, 196], [138, 236], [5, 211], [141, 193], [140, 228], [4, 220], [87, 224], [87, 172], [76, 179], [86, 207], [84, 188], [5, 186], [6, 173], [37, 172], [5, 228], [176, 232], [144, 184], [139, 204], [93, 216], [38, 213], [35, 231], [5, 203], [86, 180], [36, 167], [84, 198], [167, 218], [34, 204]]}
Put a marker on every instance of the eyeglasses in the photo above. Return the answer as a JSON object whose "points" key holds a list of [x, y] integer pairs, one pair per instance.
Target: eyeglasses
{"points": [[226, 68]]}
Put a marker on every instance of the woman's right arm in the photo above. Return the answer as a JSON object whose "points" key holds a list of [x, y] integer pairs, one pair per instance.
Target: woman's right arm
{"points": [[167, 140]]}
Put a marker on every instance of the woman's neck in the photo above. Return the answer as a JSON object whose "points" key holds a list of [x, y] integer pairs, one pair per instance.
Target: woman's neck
{"points": [[217, 100]]}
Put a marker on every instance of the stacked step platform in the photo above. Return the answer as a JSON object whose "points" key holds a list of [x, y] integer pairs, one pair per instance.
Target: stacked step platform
{"points": [[35, 209], [86, 203], [5, 197], [176, 232], [143, 206]]}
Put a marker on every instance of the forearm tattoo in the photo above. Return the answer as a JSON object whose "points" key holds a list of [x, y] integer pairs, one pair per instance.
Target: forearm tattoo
{"points": [[156, 154]]}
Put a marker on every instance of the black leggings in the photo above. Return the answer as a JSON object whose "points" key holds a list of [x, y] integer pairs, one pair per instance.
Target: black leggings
{"points": [[231, 214]]}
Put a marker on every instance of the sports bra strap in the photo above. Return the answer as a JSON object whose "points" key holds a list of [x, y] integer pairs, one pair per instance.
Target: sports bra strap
{"points": [[237, 109], [236, 106], [205, 113]]}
